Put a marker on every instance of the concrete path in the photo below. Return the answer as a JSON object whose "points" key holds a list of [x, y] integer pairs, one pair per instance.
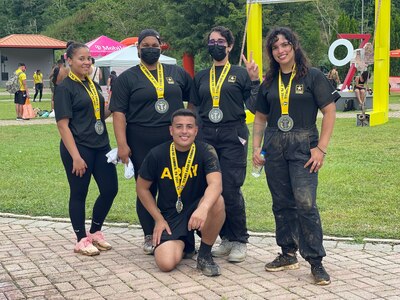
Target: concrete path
{"points": [[37, 262]]}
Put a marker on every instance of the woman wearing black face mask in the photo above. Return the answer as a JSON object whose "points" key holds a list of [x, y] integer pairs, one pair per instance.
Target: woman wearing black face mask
{"points": [[219, 95], [143, 100]]}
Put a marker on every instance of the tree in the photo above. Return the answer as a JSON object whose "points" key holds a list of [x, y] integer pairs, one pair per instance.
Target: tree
{"points": [[188, 22]]}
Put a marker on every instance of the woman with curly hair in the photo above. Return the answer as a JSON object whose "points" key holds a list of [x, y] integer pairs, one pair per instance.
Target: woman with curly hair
{"points": [[286, 113]]}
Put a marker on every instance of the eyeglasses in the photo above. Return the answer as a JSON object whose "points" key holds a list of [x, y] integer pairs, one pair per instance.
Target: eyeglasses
{"points": [[284, 46], [219, 42]]}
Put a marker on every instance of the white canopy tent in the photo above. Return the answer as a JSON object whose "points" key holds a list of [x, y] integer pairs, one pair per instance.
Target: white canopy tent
{"points": [[127, 57]]}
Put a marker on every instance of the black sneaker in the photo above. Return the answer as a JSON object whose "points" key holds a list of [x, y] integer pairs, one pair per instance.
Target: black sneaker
{"points": [[320, 275], [283, 262], [207, 266]]}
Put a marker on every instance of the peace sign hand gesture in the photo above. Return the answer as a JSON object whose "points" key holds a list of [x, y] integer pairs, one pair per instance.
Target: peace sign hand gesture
{"points": [[251, 66]]}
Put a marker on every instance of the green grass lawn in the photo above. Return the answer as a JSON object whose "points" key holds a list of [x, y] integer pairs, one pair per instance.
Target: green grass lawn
{"points": [[394, 98], [357, 195]]}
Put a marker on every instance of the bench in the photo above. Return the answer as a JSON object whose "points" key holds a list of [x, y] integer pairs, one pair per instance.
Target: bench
{"points": [[352, 95]]}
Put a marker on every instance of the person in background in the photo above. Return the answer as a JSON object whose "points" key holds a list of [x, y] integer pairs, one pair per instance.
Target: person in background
{"points": [[143, 100], [80, 114], [57, 75], [219, 96], [23, 92], [38, 81], [288, 102], [188, 178], [333, 77], [361, 87], [95, 72], [110, 82]]}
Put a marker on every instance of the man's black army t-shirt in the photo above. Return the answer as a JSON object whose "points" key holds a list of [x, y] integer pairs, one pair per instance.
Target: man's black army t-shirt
{"points": [[134, 95], [72, 101], [156, 167]]}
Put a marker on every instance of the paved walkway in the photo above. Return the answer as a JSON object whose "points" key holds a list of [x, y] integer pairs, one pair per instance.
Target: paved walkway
{"points": [[37, 262]]}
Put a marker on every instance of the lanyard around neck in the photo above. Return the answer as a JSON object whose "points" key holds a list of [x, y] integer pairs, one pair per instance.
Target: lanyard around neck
{"points": [[92, 91], [284, 92], [184, 175], [158, 84], [215, 88]]}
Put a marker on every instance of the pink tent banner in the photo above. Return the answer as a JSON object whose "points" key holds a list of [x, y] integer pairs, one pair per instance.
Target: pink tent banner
{"points": [[103, 46]]}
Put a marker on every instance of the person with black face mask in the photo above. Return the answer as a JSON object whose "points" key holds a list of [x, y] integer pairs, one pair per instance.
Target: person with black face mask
{"points": [[143, 100], [220, 94]]}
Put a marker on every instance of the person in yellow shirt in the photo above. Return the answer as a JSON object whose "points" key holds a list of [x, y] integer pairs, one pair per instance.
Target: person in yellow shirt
{"points": [[38, 81], [23, 93]]}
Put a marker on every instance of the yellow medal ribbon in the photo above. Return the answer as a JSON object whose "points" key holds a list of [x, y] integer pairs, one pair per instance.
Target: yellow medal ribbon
{"points": [[93, 94], [158, 84], [284, 92], [180, 184], [215, 89]]}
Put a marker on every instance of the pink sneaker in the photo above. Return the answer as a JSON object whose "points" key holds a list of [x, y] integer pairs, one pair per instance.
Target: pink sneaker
{"points": [[85, 247], [99, 241]]}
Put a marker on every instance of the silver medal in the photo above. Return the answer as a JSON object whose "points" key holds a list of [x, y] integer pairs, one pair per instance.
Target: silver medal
{"points": [[161, 106], [285, 123], [179, 205], [215, 115], [99, 127]]}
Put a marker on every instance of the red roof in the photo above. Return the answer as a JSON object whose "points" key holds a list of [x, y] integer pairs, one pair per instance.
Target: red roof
{"points": [[395, 53], [31, 41]]}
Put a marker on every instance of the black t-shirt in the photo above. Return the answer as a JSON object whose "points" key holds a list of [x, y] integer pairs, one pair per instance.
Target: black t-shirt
{"points": [[234, 92], [134, 95], [72, 101], [156, 167], [307, 95]]}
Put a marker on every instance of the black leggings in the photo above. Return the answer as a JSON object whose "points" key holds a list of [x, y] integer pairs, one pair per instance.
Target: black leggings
{"points": [[38, 89], [105, 175], [141, 140]]}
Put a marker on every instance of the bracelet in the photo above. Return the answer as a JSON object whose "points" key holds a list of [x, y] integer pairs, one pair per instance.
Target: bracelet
{"points": [[321, 150]]}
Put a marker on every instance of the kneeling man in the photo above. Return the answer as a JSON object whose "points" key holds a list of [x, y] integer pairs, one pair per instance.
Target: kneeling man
{"points": [[189, 183]]}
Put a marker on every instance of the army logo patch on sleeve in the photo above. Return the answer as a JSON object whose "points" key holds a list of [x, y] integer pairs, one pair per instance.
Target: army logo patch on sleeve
{"points": [[299, 89], [232, 78], [170, 80]]}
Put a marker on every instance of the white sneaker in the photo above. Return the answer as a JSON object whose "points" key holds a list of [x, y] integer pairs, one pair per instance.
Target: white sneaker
{"points": [[223, 249], [238, 252]]}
